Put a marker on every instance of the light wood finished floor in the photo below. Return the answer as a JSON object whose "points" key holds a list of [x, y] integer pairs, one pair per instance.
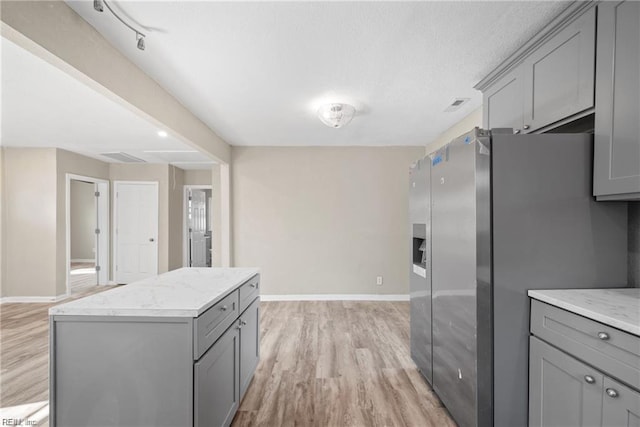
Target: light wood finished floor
{"points": [[323, 363], [82, 277]]}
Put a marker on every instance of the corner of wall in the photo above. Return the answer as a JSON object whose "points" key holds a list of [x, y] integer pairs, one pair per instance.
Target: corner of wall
{"points": [[467, 123]]}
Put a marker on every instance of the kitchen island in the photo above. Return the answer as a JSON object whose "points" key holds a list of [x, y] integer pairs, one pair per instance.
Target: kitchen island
{"points": [[178, 349]]}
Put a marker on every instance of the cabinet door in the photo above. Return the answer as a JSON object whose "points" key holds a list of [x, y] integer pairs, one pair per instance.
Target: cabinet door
{"points": [[621, 407], [217, 382], [249, 344], [617, 122], [559, 76], [562, 391], [502, 102]]}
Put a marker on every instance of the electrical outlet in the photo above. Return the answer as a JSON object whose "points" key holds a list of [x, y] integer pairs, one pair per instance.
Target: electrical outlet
{"points": [[379, 280]]}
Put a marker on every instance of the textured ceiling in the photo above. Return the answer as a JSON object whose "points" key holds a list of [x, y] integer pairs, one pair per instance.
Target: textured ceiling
{"points": [[44, 107], [256, 72]]}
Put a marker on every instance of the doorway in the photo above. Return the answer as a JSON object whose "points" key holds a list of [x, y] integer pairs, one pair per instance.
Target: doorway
{"points": [[197, 229], [87, 231], [135, 222]]}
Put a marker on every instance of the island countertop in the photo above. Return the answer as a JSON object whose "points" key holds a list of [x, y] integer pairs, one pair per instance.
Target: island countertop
{"points": [[619, 308], [186, 292]]}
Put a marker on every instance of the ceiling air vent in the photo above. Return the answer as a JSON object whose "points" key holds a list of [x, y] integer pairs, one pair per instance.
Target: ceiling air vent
{"points": [[123, 157], [457, 103]]}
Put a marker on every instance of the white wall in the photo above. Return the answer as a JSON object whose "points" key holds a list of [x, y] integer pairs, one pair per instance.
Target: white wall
{"points": [[323, 220], [82, 220]]}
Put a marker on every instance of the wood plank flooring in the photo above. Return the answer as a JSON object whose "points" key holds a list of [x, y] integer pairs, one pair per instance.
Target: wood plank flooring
{"points": [[338, 363], [323, 363]]}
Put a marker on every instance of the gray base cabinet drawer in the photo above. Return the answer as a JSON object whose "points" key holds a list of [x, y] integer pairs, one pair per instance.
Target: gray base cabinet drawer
{"points": [[212, 323], [562, 390], [611, 350], [249, 291], [217, 388]]}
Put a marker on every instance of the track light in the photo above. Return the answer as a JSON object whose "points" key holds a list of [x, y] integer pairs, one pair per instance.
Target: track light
{"points": [[98, 5], [140, 38]]}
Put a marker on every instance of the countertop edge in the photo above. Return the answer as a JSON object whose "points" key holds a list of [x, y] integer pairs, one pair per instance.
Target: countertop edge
{"points": [[148, 312], [590, 314]]}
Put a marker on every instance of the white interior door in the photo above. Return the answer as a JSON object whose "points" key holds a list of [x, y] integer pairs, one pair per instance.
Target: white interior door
{"points": [[136, 231], [198, 228]]}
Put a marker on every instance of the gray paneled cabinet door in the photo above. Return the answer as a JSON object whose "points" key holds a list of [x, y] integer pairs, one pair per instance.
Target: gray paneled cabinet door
{"points": [[217, 385], [562, 391], [249, 344], [502, 102], [559, 76], [617, 122], [621, 407]]}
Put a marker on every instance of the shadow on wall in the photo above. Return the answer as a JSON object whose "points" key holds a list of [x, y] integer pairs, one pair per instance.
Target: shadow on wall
{"points": [[634, 244]]}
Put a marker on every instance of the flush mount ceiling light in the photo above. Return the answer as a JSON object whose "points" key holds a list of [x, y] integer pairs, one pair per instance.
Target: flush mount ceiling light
{"points": [[98, 5], [336, 115]]}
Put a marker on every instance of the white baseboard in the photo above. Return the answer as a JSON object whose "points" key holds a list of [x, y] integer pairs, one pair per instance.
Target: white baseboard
{"points": [[84, 260], [337, 297], [5, 300]]}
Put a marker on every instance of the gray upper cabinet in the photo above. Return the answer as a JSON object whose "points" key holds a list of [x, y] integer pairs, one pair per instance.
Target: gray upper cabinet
{"points": [[562, 390], [559, 75], [617, 122], [503, 107], [550, 80]]}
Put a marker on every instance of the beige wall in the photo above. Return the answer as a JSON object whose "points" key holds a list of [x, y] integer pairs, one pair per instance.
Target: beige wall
{"points": [[176, 205], [30, 237], [197, 177], [82, 215], [465, 125], [72, 163], [323, 220], [2, 216]]}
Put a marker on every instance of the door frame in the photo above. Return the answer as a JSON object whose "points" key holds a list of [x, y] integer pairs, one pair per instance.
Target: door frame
{"points": [[185, 221], [102, 211], [115, 222]]}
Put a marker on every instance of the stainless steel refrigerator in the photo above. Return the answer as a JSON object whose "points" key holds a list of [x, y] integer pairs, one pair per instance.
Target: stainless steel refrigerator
{"points": [[502, 214]]}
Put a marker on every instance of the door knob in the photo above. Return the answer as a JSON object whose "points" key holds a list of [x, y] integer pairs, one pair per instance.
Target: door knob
{"points": [[589, 379], [223, 308], [151, 239], [516, 131], [603, 336], [526, 127]]}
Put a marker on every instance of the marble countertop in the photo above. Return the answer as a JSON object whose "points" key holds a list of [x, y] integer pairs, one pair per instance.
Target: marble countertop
{"points": [[619, 308], [186, 292]]}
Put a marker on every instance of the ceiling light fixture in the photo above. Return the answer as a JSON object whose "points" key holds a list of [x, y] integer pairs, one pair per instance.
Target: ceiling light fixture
{"points": [[162, 133], [336, 115], [98, 5]]}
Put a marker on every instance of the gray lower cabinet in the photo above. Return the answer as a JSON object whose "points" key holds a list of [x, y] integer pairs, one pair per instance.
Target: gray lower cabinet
{"points": [[217, 381], [249, 344], [617, 120], [581, 372], [621, 405], [562, 390]]}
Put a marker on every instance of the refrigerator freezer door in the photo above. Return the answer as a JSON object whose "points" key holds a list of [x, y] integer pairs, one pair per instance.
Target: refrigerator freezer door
{"points": [[419, 271], [460, 196]]}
